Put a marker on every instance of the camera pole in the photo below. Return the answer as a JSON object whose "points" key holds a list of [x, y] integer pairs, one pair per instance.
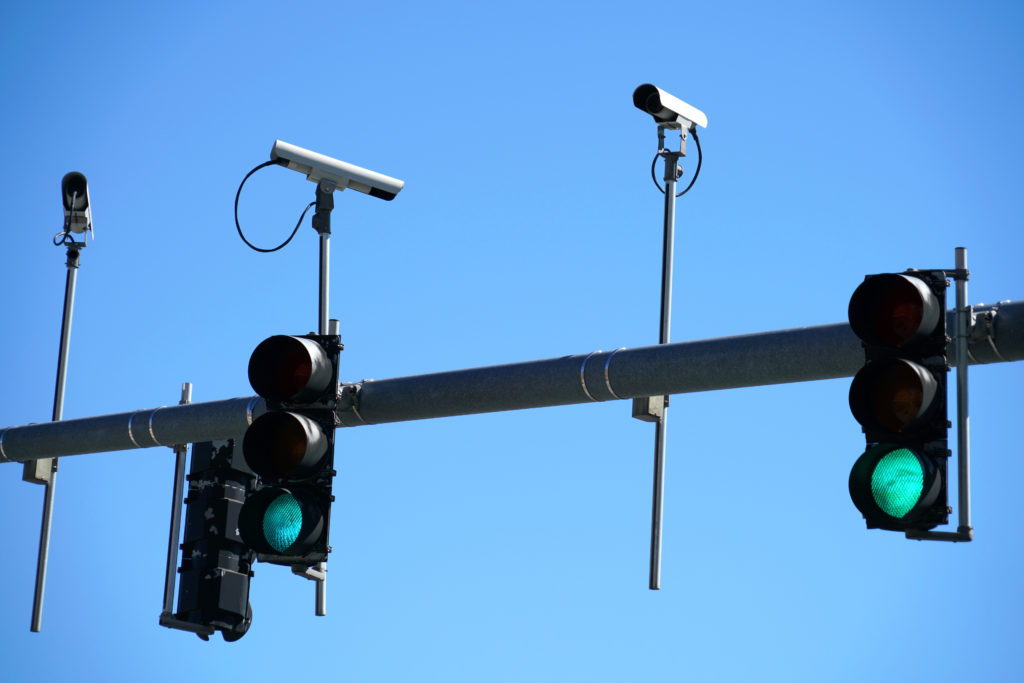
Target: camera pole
{"points": [[672, 173], [45, 471], [322, 224]]}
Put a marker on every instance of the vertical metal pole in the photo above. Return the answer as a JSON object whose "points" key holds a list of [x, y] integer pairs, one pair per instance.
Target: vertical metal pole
{"points": [[176, 502], [321, 590], [671, 172], [73, 254], [962, 416], [325, 277], [322, 224]]}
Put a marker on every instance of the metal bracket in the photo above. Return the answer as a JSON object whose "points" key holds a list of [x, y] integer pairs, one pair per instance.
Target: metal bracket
{"points": [[170, 578], [318, 574], [649, 408], [983, 330], [965, 330]]}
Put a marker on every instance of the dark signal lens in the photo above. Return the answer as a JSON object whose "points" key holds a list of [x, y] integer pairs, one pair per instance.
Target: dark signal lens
{"points": [[284, 368], [892, 395], [899, 316], [282, 444], [893, 310]]}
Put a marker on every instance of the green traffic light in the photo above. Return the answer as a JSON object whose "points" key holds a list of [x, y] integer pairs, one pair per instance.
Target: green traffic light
{"points": [[897, 482], [282, 522], [288, 522], [897, 487]]}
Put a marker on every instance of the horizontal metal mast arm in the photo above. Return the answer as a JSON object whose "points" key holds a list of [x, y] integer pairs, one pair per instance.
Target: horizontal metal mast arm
{"points": [[796, 355], [164, 426]]}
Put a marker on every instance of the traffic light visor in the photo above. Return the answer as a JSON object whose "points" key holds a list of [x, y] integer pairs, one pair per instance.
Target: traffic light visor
{"points": [[893, 310], [284, 368]]}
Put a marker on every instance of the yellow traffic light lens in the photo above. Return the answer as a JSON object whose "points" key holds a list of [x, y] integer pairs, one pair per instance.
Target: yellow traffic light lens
{"points": [[897, 482], [893, 395], [897, 396], [280, 444]]}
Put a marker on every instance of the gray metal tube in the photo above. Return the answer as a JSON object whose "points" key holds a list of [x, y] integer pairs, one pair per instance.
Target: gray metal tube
{"points": [[779, 357], [664, 333], [177, 495], [164, 426], [325, 281], [47, 469], [963, 438]]}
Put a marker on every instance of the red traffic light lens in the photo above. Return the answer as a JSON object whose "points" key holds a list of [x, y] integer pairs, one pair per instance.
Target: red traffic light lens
{"points": [[893, 310], [284, 368]]}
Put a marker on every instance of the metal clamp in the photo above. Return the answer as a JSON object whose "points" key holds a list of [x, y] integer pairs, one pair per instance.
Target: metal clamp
{"points": [[983, 330], [607, 381], [583, 379]]}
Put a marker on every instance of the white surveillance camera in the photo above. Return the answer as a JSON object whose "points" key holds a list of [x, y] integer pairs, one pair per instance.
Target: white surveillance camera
{"points": [[318, 167], [666, 108], [77, 210]]}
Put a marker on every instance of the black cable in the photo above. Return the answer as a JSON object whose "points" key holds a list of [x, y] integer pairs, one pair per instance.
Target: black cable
{"points": [[65, 236], [696, 172], [239, 227]]}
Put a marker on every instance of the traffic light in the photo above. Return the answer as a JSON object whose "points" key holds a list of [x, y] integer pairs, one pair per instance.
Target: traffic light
{"points": [[899, 398], [216, 565], [291, 448]]}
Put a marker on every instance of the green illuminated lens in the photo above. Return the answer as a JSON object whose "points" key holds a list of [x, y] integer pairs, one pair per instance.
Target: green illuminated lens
{"points": [[897, 482], [282, 522]]}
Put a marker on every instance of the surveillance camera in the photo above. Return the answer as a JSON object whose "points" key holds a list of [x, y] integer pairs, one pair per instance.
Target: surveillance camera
{"points": [[77, 210], [318, 167], [666, 108]]}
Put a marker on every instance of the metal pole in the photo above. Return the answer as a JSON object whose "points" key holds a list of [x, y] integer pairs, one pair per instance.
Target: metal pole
{"points": [[73, 253], [322, 224], [963, 440], [661, 425], [176, 500], [325, 277]]}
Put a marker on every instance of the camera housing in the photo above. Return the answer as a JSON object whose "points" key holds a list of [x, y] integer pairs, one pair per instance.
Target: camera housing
{"points": [[77, 208], [319, 167], [666, 108]]}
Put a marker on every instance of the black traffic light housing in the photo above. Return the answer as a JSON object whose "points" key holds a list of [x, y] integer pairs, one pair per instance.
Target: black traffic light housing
{"points": [[291, 447], [216, 565], [899, 398]]}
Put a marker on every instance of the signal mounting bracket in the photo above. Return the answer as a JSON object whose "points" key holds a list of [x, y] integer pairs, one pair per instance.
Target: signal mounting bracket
{"points": [[964, 329]]}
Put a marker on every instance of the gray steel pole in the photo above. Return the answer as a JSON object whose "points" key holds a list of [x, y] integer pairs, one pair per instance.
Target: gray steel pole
{"points": [[325, 278], [664, 328], [797, 355], [49, 466], [963, 439], [177, 496]]}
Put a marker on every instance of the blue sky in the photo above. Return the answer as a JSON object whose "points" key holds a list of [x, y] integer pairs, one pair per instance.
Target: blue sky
{"points": [[843, 140]]}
